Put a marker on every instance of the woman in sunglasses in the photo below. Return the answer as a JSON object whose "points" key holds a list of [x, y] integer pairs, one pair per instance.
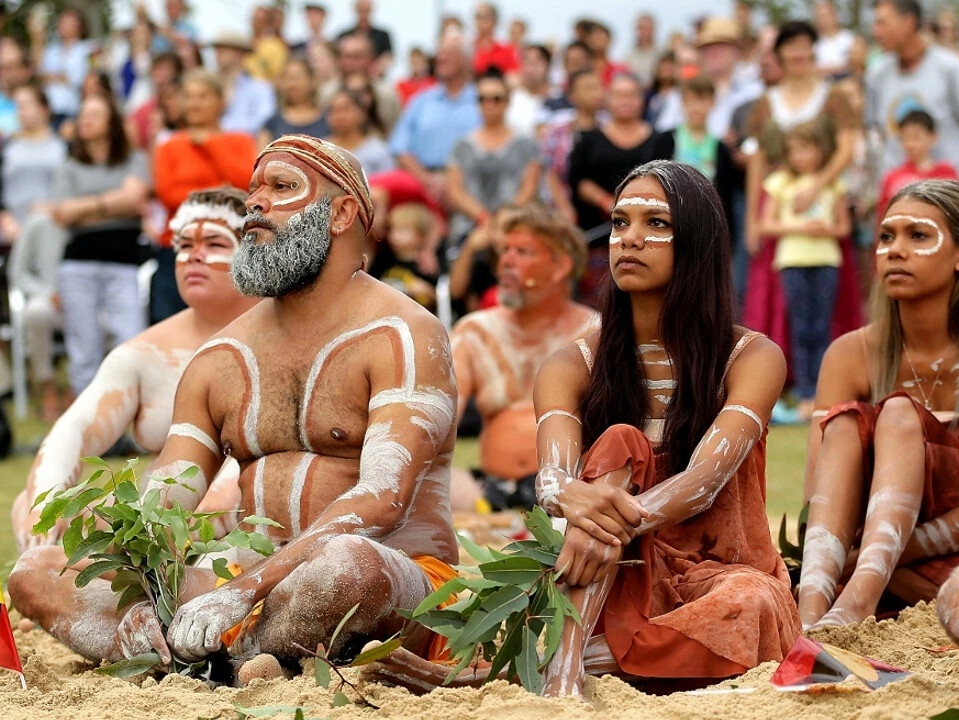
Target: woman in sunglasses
{"points": [[492, 166]]}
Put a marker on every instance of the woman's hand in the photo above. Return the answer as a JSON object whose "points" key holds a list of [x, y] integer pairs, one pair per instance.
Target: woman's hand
{"points": [[609, 514], [805, 198], [585, 560]]}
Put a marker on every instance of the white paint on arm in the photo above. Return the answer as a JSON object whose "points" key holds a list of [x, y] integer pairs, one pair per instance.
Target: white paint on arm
{"points": [[188, 430]]}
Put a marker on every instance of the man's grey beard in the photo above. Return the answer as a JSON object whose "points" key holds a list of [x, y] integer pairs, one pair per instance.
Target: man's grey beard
{"points": [[514, 300], [292, 261]]}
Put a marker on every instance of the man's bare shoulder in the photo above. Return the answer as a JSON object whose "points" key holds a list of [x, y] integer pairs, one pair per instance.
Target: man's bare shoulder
{"points": [[478, 320], [588, 319]]}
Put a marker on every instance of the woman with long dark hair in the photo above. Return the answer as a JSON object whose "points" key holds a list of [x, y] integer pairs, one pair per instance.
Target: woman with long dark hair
{"points": [[883, 463], [670, 401]]}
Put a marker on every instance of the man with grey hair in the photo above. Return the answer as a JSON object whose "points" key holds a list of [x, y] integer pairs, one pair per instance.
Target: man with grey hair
{"points": [[497, 352]]}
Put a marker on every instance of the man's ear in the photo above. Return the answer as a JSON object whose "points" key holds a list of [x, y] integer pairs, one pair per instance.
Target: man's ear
{"points": [[563, 267], [345, 209]]}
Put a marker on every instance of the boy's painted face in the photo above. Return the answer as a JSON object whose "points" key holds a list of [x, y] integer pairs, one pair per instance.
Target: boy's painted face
{"points": [[804, 157], [697, 108], [917, 142]]}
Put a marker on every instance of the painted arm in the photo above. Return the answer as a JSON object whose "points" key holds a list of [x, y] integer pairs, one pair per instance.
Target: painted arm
{"points": [[462, 342], [753, 385], [90, 426]]}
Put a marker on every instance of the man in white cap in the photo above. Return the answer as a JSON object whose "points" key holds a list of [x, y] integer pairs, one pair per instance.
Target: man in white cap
{"points": [[250, 102]]}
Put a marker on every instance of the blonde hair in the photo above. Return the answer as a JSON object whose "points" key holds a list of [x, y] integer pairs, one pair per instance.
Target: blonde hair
{"points": [[811, 132], [552, 229], [415, 216], [887, 355], [202, 75]]}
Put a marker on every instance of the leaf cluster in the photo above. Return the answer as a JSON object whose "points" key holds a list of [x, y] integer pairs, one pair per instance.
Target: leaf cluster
{"points": [[144, 541], [510, 601], [792, 554]]}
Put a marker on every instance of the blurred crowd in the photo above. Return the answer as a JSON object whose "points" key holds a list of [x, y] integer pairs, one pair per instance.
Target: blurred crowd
{"points": [[805, 128]]}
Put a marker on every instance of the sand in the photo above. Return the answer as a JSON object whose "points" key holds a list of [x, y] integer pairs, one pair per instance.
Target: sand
{"points": [[62, 687]]}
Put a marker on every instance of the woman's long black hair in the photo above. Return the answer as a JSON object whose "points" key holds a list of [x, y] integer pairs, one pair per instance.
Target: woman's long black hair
{"points": [[696, 325]]}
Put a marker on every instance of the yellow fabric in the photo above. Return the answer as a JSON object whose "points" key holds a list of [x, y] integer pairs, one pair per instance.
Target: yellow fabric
{"points": [[267, 59], [795, 249]]}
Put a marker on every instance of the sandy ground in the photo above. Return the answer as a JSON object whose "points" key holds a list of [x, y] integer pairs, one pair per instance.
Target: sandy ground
{"points": [[62, 686]]}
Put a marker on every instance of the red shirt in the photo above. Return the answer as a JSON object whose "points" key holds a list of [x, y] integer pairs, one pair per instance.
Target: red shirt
{"points": [[609, 69], [406, 89], [906, 174], [501, 55]]}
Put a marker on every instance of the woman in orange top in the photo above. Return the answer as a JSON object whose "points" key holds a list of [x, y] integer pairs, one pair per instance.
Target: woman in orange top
{"points": [[199, 157]]}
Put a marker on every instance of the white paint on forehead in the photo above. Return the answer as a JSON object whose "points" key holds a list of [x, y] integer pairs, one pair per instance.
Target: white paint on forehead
{"points": [[296, 492], [253, 369], [393, 322], [940, 237], [210, 227], [642, 202], [304, 180], [189, 213], [188, 430]]}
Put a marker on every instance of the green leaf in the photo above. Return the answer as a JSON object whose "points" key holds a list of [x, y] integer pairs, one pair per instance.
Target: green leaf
{"points": [[206, 531], [96, 462], [95, 570], [188, 474], [260, 520], [50, 514], [265, 711], [569, 610], [321, 673], [508, 650], [950, 714], [539, 523], [464, 660], [512, 570], [342, 622], [440, 595], [554, 627], [95, 542], [40, 498], [133, 531], [261, 544], [132, 592], [478, 584], [527, 663], [151, 501], [137, 665], [81, 501], [73, 536], [493, 612], [181, 536], [238, 539], [340, 699], [221, 569], [376, 653], [534, 551], [298, 715], [127, 492], [123, 579], [443, 622], [476, 552]]}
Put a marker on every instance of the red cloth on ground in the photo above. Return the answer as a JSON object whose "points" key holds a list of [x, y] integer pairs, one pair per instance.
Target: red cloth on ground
{"points": [[713, 598], [906, 174], [940, 491]]}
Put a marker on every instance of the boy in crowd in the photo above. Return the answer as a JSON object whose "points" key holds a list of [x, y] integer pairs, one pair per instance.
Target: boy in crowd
{"points": [[917, 134], [397, 261]]}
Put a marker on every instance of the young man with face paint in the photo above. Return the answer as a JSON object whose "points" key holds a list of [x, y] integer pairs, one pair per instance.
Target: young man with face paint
{"points": [[336, 397], [497, 352], [137, 381], [652, 447], [884, 455]]}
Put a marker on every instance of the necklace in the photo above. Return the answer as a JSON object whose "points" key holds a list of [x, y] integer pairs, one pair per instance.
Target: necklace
{"points": [[915, 376]]}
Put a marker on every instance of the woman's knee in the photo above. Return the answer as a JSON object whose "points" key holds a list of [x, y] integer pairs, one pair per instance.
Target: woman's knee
{"points": [[898, 417], [842, 429]]}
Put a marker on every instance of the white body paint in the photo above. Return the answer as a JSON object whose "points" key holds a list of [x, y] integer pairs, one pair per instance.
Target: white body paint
{"points": [[193, 432], [192, 213], [296, 492], [253, 370], [823, 560], [383, 460], [937, 537], [642, 202], [940, 237], [745, 411], [553, 413], [303, 179]]}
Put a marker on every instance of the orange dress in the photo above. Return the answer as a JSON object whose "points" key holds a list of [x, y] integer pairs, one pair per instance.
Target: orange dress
{"points": [[713, 598]]}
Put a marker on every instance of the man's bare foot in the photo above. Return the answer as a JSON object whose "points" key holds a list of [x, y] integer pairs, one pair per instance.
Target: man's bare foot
{"points": [[947, 605], [840, 616]]}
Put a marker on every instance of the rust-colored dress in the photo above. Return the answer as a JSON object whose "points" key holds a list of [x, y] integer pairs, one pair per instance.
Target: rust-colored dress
{"points": [[940, 490], [713, 597]]}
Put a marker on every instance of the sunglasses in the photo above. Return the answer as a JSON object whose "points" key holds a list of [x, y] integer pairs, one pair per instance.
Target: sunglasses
{"points": [[492, 98]]}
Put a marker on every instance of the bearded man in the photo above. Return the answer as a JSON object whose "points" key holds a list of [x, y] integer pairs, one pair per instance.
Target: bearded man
{"points": [[497, 353], [336, 397]]}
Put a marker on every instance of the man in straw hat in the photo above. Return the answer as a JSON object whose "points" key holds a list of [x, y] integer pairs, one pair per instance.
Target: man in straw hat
{"points": [[336, 396], [720, 50], [250, 102]]}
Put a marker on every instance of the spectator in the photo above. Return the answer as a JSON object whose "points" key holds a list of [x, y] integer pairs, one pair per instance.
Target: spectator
{"points": [[177, 31], [693, 144], [189, 53], [299, 112], [436, 118], [644, 57], [97, 196], [559, 107], [356, 58], [269, 51], [473, 272], [201, 156], [598, 39], [450, 24], [559, 138], [315, 15], [526, 102], [323, 60], [917, 134], [397, 260], [835, 42], [63, 63], [487, 51], [517, 32], [165, 71], [604, 156], [663, 95], [250, 102], [379, 39], [916, 76], [28, 160], [946, 30], [14, 72], [352, 117], [491, 166], [136, 69], [808, 255], [420, 77]]}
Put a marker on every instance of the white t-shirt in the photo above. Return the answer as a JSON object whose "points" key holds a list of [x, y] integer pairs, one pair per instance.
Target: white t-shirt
{"points": [[834, 51]]}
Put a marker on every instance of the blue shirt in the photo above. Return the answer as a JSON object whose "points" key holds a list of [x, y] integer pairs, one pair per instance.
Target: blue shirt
{"points": [[73, 62], [9, 120], [252, 103], [433, 122]]}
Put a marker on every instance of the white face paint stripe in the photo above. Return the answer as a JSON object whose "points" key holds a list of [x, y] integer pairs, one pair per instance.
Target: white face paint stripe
{"points": [[615, 239], [940, 238], [194, 212], [253, 411], [259, 504], [745, 411], [194, 433], [642, 202], [300, 174], [296, 492], [554, 413], [409, 365], [211, 227]]}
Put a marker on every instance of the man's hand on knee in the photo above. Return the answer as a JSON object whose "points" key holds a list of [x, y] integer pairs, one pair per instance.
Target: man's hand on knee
{"points": [[198, 625]]}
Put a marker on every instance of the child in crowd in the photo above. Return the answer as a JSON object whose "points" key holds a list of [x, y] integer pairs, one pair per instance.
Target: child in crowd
{"points": [[397, 261], [917, 134], [807, 255]]}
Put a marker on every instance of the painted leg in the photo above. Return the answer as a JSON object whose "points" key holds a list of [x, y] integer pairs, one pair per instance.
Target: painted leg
{"points": [[565, 673], [833, 513], [894, 502]]}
